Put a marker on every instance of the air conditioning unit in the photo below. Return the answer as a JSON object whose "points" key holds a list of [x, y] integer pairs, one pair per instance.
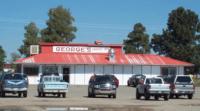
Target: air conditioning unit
{"points": [[34, 49]]}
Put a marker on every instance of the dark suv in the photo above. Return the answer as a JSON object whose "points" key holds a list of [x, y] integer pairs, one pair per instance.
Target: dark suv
{"points": [[102, 85], [134, 80]]}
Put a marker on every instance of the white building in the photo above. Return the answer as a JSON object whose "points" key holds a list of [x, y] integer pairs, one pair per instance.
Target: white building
{"points": [[78, 62]]}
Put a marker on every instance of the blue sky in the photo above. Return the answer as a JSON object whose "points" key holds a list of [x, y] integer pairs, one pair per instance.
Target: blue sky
{"points": [[106, 20]]}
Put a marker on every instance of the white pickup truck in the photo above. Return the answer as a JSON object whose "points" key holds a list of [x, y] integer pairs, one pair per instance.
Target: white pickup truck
{"points": [[52, 85], [152, 86]]}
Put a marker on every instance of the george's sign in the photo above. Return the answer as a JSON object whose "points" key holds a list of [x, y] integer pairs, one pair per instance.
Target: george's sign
{"points": [[76, 49]]}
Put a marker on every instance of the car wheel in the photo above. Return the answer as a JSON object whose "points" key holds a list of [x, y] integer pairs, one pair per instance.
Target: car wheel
{"points": [[137, 94], [58, 94], [43, 94], [109, 96], [64, 95], [190, 96], [93, 94], [147, 96], [114, 95], [3, 94], [171, 96], [177, 96], [19, 94], [166, 97], [39, 94], [89, 94], [156, 97], [25, 94]]}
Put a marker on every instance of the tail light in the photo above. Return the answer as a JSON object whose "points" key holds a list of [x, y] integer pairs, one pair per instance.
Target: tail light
{"points": [[172, 86]]}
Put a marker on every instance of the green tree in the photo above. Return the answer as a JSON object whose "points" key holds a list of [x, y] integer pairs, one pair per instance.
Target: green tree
{"points": [[2, 58], [31, 38], [181, 37], [138, 40], [14, 56], [59, 26]]}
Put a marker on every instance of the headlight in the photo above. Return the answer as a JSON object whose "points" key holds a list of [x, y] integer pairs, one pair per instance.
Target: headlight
{"points": [[108, 85], [97, 86]]}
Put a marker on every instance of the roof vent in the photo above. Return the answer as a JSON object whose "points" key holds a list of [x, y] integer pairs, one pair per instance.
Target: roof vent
{"points": [[98, 42]]}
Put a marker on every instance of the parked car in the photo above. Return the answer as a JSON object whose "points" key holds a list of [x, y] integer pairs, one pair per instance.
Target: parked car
{"points": [[152, 86], [13, 83], [181, 85], [134, 80], [52, 84], [102, 85]]}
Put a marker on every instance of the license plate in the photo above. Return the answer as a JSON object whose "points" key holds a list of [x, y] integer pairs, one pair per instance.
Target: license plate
{"points": [[14, 89]]}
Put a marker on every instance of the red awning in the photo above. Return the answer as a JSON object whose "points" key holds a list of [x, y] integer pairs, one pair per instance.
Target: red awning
{"points": [[132, 59]]}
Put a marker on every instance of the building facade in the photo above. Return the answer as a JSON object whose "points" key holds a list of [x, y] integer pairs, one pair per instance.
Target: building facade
{"points": [[76, 63]]}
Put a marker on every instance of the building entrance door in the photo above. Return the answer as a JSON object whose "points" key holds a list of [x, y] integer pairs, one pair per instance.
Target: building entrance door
{"points": [[66, 72]]}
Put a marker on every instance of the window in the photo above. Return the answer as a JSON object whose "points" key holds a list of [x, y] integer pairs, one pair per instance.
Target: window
{"points": [[49, 70], [31, 70], [168, 71]]}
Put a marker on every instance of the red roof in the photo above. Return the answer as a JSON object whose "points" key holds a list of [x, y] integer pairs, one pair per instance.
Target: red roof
{"points": [[72, 58]]}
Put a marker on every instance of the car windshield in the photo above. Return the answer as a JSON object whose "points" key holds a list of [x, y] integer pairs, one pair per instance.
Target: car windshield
{"points": [[103, 79], [13, 77], [154, 81], [51, 79], [183, 79], [139, 76]]}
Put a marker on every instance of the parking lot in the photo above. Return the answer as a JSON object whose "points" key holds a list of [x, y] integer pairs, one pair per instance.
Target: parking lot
{"points": [[77, 97]]}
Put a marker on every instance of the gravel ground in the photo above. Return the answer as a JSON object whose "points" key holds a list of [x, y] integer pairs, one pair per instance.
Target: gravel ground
{"points": [[77, 97]]}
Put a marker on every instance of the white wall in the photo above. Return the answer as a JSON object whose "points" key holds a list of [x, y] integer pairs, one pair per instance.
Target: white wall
{"points": [[108, 69], [118, 71], [180, 70], [79, 74], [89, 71], [156, 70], [98, 69], [128, 72], [137, 69]]}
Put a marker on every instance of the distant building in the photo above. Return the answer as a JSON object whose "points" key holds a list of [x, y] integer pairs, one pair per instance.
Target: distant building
{"points": [[7, 67], [76, 63]]}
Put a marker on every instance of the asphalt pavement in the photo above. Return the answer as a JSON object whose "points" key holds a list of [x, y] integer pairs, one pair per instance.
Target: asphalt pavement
{"points": [[76, 100]]}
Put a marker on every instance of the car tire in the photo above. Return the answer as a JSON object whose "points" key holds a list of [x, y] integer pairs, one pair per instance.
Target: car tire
{"points": [[43, 94], [166, 97], [114, 96], [137, 94], [39, 94], [58, 95], [25, 94], [89, 94], [109, 96], [177, 96], [19, 94], [171, 96], [190, 96], [64, 95], [3, 94], [93, 94], [156, 97], [146, 96]]}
